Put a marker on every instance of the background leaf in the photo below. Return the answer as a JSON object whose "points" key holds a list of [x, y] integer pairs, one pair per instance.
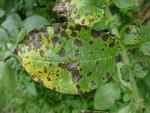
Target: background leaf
{"points": [[106, 95], [35, 21]]}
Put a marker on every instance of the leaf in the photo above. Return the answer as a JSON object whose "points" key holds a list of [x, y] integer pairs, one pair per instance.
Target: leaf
{"points": [[35, 21], [145, 48], [7, 79], [2, 13], [21, 35], [12, 25], [131, 39], [100, 25], [126, 5], [125, 109], [147, 109], [146, 80], [144, 32], [29, 4], [106, 23], [7, 84], [106, 95], [2, 3], [139, 71], [3, 36]]}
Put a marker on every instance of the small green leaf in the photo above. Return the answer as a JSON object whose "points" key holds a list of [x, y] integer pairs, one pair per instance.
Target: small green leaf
{"points": [[106, 95]]}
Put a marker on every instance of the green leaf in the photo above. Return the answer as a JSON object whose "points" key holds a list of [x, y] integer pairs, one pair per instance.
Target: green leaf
{"points": [[147, 109], [100, 25], [35, 21], [130, 39], [7, 84], [3, 36], [145, 48], [146, 80], [12, 25], [2, 13], [2, 3], [125, 109], [7, 78], [126, 5], [29, 4], [106, 95], [139, 71], [106, 22], [144, 32], [21, 35]]}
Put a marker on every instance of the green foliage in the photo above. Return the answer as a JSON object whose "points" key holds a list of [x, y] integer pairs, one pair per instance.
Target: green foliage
{"points": [[33, 22], [119, 29], [106, 96]]}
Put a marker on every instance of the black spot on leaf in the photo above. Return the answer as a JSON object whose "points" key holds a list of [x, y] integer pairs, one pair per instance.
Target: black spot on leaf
{"points": [[46, 34], [108, 77], [80, 69], [56, 27], [89, 73], [78, 27], [93, 84], [50, 65], [112, 44], [40, 71], [72, 66], [62, 52], [97, 62], [36, 42], [41, 53], [74, 34], [76, 75], [45, 70], [95, 33], [118, 58], [90, 42], [102, 49], [55, 40], [78, 43], [57, 75], [79, 90], [77, 52], [48, 78]]}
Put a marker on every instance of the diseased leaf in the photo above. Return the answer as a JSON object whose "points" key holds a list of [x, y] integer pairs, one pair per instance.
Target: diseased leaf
{"points": [[74, 56]]}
